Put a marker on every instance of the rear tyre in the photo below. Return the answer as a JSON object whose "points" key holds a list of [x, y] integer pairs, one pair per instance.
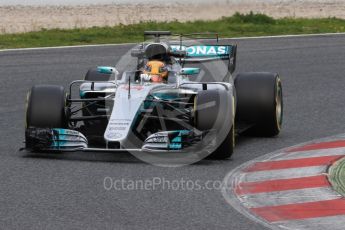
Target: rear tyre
{"points": [[260, 103], [212, 112], [46, 107], [94, 75]]}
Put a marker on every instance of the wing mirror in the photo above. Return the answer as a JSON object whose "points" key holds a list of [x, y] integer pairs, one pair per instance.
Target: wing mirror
{"points": [[108, 70], [189, 71]]}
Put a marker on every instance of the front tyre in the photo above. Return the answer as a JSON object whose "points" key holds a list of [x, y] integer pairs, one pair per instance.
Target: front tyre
{"points": [[46, 107], [226, 148], [215, 111]]}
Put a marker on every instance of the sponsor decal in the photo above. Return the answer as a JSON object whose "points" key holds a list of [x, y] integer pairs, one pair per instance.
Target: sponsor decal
{"points": [[120, 120], [198, 51], [66, 131], [117, 123], [69, 138], [157, 138], [117, 128], [175, 146], [114, 135]]}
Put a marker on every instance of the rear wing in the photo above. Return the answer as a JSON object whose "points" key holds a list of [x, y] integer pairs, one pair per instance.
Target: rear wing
{"points": [[156, 35], [203, 53], [199, 52]]}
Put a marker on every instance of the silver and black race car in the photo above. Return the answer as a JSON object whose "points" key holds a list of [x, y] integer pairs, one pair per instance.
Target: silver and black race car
{"points": [[195, 108]]}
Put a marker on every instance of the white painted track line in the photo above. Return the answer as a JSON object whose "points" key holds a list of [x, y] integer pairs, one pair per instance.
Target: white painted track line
{"points": [[288, 197], [282, 174], [310, 153], [321, 223]]}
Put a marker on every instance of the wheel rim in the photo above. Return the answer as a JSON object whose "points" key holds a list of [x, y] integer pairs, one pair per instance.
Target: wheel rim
{"points": [[233, 136], [279, 104], [233, 122], [26, 109]]}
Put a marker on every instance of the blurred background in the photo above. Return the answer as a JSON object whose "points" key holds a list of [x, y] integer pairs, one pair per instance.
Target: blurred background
{"points": [[19, 16]]}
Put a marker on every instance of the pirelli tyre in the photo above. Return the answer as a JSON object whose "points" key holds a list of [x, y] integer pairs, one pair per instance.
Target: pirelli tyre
{"points": [[214, 110], [260, 103], [45, 107]]}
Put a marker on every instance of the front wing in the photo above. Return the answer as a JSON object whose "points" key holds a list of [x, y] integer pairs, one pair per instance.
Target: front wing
{"points": [[66, 140]]}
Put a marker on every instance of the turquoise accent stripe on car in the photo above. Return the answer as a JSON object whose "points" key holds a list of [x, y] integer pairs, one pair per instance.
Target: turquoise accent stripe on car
{"points": [[105, 69]]}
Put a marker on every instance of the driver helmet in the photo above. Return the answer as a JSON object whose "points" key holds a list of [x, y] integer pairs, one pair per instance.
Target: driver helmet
{"points": [[157, 71]]}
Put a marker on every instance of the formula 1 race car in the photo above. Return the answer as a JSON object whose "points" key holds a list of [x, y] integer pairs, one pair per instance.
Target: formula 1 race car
{"points": [[160, 106]]}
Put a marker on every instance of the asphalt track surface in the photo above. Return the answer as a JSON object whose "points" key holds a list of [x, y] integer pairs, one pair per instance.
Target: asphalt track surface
{"points": [[66, 191]]}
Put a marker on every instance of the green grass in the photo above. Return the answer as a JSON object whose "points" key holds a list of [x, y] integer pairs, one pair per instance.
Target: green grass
{"points": [[237, 25], [337, 176]]}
